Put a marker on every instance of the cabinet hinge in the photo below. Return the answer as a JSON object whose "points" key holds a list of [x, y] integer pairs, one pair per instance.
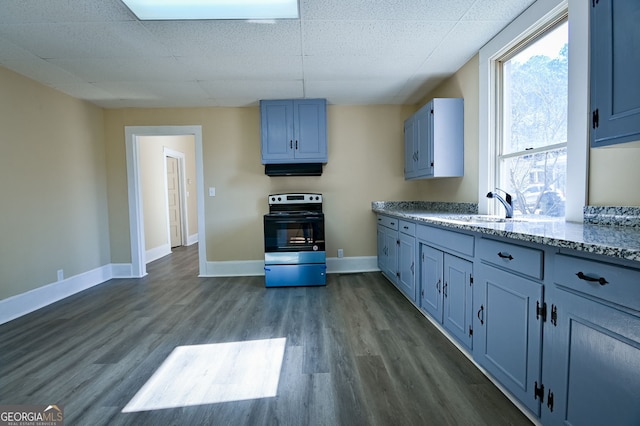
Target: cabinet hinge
{"points": [[550, 400], [595, 118], [541, 311], [554, 315], [470, 331], [538, 392]]}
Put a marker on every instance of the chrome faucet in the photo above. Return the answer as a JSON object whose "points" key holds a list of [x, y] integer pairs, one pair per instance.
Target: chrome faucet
{"points": [[508, 205]]}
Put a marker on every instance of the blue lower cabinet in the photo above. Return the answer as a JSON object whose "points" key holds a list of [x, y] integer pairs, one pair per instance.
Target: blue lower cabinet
{"points": [[597, 372], [295, 275], [508, 332]]}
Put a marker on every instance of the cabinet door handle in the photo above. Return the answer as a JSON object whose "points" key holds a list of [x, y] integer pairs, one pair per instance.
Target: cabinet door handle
{"points": [[296, 144], [481, 311], [412, 267], [599, 280], [505, 256], [444, 289], [438, 286], [291, 144]]}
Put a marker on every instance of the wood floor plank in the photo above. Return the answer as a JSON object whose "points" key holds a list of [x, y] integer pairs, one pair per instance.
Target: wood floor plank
{"points": [[357, 352]]}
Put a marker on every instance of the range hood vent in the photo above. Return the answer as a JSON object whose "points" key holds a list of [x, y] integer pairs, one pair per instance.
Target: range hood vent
{"points": [[298, 169]]}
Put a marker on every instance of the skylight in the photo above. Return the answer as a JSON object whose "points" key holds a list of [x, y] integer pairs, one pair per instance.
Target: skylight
{"points": [[213, 9]]}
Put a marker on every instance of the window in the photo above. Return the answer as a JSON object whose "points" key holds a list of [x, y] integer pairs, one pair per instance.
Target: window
{"points": [[531, 128]]}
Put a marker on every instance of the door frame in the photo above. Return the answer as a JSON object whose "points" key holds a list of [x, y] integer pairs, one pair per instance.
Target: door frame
{"points": [[136, 220], [182, 191]]}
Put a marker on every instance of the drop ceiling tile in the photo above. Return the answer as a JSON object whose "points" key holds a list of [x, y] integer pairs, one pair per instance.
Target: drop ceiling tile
{"points": [[376, 38], [40, 70], [253, 88], [254, 67], [153, 89], [122, 69], [496, 10], [227, 38], [428, 10], [360, 91], [32, 11], [357, 67], [83, 40]]}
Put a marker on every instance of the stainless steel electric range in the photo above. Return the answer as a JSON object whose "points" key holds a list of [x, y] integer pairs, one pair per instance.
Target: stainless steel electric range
{"points": [[294, 250]]}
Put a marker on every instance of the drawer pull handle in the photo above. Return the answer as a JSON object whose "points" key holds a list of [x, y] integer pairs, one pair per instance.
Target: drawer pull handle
{"points": [[505, 256], [481, 311], [405, 227], [600, 280], [393, 223]]}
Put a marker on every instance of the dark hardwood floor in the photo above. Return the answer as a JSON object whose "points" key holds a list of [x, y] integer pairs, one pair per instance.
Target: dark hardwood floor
{"points": [[357, 352]]}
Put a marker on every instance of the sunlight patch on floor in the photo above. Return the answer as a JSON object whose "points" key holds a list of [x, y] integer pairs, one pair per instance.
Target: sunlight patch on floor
{"points": [[208, 374]]}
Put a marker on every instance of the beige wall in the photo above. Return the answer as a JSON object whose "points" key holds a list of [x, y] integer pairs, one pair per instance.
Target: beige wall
{"points": [[152, 175], [365, 164], [52, 169], [612, 173], [464, 84]]}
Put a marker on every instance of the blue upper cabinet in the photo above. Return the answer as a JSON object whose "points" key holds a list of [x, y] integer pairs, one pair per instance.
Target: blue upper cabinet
{"points": [[294, 131], [434, 140], [615, 61]]}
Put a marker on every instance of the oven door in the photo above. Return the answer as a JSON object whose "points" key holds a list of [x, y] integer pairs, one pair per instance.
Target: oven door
{"points": [[294, 232]]}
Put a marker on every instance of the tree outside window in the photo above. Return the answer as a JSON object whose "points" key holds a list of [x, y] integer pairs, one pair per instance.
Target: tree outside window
{"points": [[532, 153]]}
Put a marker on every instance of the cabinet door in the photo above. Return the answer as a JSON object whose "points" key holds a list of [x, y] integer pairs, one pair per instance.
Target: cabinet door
{"points": [[596, 354], [382, 251], [615, 60], [508, 333], [410, 149], [458, 298], [424, 136], [390, 265], [310, 130], [276, 130], [431, 281], [407, 265]]}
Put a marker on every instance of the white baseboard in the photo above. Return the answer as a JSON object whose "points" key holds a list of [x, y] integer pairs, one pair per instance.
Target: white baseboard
{"points": [[347, 265], [256, 267], [192, 239], [24, 303], [122, 270], [234, 268], [157, 252]]}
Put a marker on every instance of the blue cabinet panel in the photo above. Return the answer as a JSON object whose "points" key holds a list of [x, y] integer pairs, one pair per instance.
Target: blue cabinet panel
{"points": [[407, 266], [434, 140], [293, 131], [508, 333], [431, 270], [458, 298], [615, 61], [596, 353]]}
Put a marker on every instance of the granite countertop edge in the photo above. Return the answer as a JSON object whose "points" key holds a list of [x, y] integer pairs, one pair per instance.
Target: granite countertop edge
{"points": [[622, 242]]}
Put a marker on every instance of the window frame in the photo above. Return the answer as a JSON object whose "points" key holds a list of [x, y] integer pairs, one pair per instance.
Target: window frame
{"points": [[538, 16]]}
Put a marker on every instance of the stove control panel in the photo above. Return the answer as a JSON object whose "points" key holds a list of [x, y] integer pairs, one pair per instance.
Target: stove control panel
{"points": [[295, 198]]}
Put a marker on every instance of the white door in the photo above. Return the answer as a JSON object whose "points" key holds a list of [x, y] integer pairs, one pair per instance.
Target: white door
{"points": [[173, 196]]}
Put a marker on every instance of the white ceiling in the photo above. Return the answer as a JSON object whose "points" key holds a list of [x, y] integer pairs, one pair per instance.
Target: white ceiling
{"points": [[347, 51]]}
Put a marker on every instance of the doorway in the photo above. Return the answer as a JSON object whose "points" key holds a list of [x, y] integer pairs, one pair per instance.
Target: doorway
{"points": [[136, 218]]}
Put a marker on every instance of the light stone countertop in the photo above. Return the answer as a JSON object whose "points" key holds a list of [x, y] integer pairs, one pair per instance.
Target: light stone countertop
{"points": [[603, 236]]}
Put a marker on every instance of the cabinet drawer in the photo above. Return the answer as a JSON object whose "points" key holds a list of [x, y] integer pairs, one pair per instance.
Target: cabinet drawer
{"points": [[524, 260], [408, 228], [612, 283], [389, 222], [450, 241]]}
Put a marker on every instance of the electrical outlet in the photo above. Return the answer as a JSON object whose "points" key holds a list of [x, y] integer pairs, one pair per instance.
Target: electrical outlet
{"points": [[212, 191], [60, 274], [340, 253]]}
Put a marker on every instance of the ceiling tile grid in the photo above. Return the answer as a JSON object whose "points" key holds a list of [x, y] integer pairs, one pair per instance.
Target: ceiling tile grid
{"points": [[347, 51]]}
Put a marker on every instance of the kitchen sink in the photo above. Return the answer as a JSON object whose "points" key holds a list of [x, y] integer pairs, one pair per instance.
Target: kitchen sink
{"points": [[480, 218]]}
